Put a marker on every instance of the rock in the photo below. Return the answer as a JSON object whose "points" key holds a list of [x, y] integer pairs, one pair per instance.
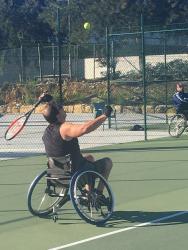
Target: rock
{"points": [[25, 108], [160, 109], [3, 109], [40, 108], [78, 108], [69, 109], [149, 109], [132, 109], [118, 108]]}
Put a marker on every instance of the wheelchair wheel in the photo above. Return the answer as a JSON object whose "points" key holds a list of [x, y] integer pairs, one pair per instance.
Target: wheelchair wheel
{"points": [[177, 125], [93, 207], [43, 195]]}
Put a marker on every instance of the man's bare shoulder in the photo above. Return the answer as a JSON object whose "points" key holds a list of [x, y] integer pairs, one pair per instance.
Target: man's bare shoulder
{"points": [[66, 125], [64, 130]]}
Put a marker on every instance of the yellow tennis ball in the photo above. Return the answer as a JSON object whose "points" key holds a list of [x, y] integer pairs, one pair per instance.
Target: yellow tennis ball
{"points": [[87, 26]]}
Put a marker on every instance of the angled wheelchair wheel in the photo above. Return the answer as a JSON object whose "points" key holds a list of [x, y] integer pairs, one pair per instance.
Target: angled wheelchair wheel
{"points": [[177, 125], [43, 195], [92, 206]]}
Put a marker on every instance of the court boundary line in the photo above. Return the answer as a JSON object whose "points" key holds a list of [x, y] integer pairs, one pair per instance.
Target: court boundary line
{"points": [[119, 231]]}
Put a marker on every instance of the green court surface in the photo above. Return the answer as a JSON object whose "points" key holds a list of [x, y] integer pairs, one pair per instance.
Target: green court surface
{"points": [[150, 184]]}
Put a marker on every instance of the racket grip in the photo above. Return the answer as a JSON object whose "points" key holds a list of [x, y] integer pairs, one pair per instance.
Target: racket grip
{"points": [[37, 103]]}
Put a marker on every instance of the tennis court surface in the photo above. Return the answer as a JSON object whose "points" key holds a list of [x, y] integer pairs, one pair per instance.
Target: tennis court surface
{"points": [[150, 184]]}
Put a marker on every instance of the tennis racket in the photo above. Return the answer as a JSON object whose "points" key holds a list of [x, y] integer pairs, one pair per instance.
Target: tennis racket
{"points": [[18, 124]]}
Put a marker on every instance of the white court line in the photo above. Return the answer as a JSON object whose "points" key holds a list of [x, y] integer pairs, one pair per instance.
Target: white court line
{"points": [[118, 231]]}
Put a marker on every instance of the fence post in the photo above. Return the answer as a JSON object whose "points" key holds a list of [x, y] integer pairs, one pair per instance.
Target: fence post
{"points": [[76, 47], [59, 53], [53, 59], [22, 77], [108, 70], [21, 63], [113, 68], [144, 74], [39, 57], [94, 58], [165, 71]]}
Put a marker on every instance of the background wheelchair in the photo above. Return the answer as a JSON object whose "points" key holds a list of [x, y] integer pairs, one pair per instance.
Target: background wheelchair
{"points": [[177, 125], [50, 190]]}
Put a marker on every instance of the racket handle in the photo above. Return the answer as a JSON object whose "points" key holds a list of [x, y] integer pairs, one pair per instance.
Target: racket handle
{"points": [[37, 103]]}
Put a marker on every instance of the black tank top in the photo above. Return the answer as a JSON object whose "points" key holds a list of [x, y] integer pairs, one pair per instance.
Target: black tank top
{"points": [[55, 146]]}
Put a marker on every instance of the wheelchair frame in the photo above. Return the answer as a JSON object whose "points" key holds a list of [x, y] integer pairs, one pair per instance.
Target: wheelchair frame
{"points": [[92, 207]]}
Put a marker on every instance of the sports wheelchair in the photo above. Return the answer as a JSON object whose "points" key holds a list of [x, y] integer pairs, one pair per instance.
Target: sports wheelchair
{"points": [[56, 185], [177, 125]]}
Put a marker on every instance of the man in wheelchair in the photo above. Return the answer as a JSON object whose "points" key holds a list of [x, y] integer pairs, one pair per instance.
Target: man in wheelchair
{"points": [[180, 100], [61, 140]]}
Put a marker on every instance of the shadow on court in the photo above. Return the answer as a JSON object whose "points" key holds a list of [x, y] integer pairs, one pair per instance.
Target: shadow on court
{"points": [[121, 218], [103, 150], [23, 218], [17, 154], [66, 217], [148, 180]]}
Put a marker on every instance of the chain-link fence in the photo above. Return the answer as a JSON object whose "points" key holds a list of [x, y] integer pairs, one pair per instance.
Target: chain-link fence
{"points": [[135, 72], [143, 69], [41, 61]]}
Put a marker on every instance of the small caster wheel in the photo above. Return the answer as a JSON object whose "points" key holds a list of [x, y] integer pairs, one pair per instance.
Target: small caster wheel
{"points": [[55, 217]]}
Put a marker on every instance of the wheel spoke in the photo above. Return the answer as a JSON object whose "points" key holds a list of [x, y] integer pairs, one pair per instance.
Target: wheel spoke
{"points": [[44, 195], [177, 125], [41, 202], [89, 204]]}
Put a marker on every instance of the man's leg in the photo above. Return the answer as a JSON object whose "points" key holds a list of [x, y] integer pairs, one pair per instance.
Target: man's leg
{"points": [[103, 166], [89, 158]]}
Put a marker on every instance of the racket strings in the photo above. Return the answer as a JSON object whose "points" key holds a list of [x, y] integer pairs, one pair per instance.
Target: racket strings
{"points": [[15, 127]]}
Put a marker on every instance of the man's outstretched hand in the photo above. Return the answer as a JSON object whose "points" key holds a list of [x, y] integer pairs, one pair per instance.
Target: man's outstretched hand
{"points": [[108, 110]]}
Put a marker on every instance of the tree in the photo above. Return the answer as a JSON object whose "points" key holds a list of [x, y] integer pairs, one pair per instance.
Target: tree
{"points": [[22, 17], [37, 21]]}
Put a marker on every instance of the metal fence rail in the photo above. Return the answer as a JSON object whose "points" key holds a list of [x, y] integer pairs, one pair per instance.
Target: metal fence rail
{"points": [[135, 72]]}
